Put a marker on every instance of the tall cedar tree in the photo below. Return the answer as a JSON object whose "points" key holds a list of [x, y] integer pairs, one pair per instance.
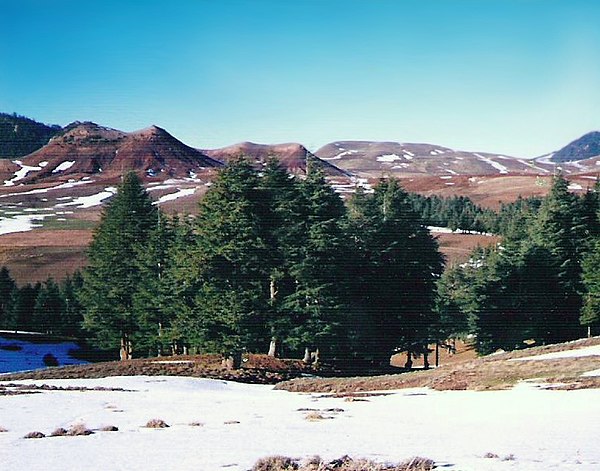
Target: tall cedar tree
{"points": [[560, 229], [113, 277], [398, 270], [7, 287], [226, 272], [316, 266], [49, 308], [284, 226]]}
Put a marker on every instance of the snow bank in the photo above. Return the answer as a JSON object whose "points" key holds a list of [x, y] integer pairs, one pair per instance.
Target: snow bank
{"points": [[577, 353], [388, 158], [242, 423], [21, 223], [498, 166]]}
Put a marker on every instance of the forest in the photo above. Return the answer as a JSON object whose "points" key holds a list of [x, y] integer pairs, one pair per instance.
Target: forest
{"points": [[280, 264]]}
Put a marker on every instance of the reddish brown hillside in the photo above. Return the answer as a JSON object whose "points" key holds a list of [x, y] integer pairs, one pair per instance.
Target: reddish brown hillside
{"points": [[292, 156], [87, 148]]}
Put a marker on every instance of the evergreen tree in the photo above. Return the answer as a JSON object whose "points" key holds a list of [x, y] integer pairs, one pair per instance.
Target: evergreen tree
{"points": [[112, 277], [226, 271], [590, 315], [48, 309], [7, 287], [22, 308], [317, 269], [402, 264], [72, 315]]}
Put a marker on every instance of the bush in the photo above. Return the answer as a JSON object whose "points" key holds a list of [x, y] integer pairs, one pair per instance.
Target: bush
{"points": [[59, 432], [275, 463], [157, 423], [79, 430], [109, 428]]}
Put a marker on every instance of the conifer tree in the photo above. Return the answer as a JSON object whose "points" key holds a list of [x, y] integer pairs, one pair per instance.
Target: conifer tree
{"points": [[7, 287], [112, 277], [48, 309], [72, 315], [226, 271]]}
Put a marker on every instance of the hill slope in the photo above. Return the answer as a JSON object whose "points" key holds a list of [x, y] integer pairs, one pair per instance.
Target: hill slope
{"points": [[291, 155], [20, 136], [586, 147]]}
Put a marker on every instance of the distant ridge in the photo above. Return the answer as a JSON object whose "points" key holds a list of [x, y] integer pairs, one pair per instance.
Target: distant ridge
{"points": [[292, 156], [586, 147], [20, 136]]}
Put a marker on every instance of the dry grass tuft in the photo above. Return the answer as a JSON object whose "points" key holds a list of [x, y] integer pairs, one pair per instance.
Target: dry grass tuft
{"points": [[79, 430], [2, 429], [196, 424], [231, 422], [157, 423], [489, 454], [315, 416], [34, 435], [345, 463], [59, 432], [510, 457], [275, 463], [109, 428]]}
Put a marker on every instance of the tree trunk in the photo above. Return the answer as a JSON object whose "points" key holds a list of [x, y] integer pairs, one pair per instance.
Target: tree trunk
{"points": [[273, 347], [233, 361], [306, 358], [426, 360], [437, 354], [125, 352], [409, 363], [316, 357]]}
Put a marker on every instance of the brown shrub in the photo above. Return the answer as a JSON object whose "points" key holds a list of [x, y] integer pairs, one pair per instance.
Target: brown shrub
{"points": [[157, 423], [59, 432], [34, 435], [109, 428], [79, 430], [275, 463]]}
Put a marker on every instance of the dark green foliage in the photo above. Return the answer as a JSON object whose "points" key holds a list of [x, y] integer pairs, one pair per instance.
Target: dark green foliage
{"points": [[7, 287], [20, 136], [112, 277], [49, 308], [226, 270], [23, 301], [590, 315], [395, 274]]}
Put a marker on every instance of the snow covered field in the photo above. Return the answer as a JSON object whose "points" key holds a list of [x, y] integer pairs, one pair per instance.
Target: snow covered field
{"points": [[541, 429]]}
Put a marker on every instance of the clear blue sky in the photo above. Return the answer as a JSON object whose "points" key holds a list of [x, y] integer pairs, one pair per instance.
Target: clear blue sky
{"points": [[520, 77]]}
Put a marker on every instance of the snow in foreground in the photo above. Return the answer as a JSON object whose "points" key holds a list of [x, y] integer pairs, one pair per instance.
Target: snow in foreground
{"points": [[542, 429]]}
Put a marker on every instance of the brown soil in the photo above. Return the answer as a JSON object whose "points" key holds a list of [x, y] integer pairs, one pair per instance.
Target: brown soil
{"points": [[458, 247], [258, 369]]}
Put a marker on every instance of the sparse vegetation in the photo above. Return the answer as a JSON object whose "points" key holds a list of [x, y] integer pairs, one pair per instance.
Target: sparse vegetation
{"points": [[109, 428], [345, 463], [34, 435], [59, 432], [77, 430], [2, 429]]}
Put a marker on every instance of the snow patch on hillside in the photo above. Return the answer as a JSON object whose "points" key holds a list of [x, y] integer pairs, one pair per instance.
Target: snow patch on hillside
{"points": [[498, 166], [21, 173], [21, 223], [173, 196], [577, 353], [64, 166], [84, 202], [388, 158]]}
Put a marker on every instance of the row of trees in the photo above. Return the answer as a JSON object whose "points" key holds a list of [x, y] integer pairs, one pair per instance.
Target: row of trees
{"points": [[42, 307], [271, 262], [540, 285]]}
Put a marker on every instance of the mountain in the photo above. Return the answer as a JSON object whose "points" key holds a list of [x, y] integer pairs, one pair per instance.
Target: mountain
{"points": [[291, 155], [586, 147], [87, 148], [20, 136], [375, 159]]}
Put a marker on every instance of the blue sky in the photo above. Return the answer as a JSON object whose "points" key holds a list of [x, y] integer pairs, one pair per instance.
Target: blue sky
{"points": [[520, 77]]}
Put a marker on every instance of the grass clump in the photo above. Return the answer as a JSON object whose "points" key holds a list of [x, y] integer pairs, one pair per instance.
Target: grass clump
{"points": [[157, 423], [34, 435], [276, 463], [2, 429]]}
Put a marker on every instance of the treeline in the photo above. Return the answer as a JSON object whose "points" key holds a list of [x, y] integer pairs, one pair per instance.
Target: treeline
{"points": [[459, 212], [49, 307], [272, 263], [539, 286], [20, 136]]}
